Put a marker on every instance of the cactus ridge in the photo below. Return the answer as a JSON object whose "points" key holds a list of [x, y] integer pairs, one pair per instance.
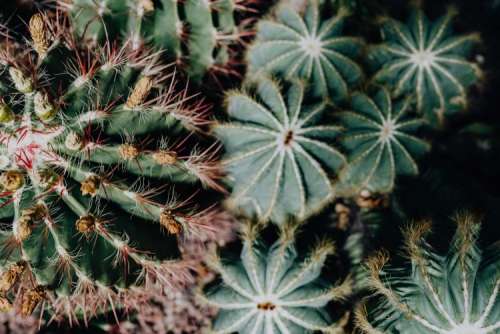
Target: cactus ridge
{"points": [[84, 205]]}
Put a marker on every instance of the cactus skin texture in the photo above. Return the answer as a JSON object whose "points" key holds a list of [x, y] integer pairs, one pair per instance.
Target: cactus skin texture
{"points": [[199, 33], [308, 47], [426, 59], [382, 142], [455, 293], [278, 151], [271, 291], [85, 214]]}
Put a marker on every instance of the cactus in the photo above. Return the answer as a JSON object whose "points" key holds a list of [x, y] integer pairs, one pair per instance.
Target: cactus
{"points": [[455, 293], [83, 198], [309, 47], [381, 138], [271, 291], [201, 34], [278, 153], [426, 59]]}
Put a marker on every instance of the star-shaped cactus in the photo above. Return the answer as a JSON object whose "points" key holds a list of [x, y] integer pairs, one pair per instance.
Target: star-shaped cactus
{"points": [[278, 152], [380, 136], [426, 59], [271, 291], [310, 47], [455, 293]]}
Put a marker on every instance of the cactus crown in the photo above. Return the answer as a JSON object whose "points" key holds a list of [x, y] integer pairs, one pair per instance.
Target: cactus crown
{"points": [[455, 293], [272, 291], [80, 174]]}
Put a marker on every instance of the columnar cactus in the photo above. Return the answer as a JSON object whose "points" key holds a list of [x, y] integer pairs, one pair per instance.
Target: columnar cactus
{"points": [[309, 46], [382, 140], [271, 291], [455, 293], [88, 142], [426, 59], [278, 153], [201, 34]]}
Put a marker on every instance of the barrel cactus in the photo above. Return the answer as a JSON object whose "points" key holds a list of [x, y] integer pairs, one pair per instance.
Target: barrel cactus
{"points": [[271, 291], [88, 142], [278, 152], [428, 60], [455, 293], [381, 137], [309, 46], [200, 34]]}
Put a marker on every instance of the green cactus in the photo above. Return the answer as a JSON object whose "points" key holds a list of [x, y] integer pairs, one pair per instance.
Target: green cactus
{"points": [[278, 152], [83, 200], [309, 47], [381, 138], [427, 60], [198, 33], [455, 293], [271, 291]]}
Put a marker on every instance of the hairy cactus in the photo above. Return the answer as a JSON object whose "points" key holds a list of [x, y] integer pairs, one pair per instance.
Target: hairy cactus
{"points": [[278, 153], [88, 141], [308, 46], [426, 59], [271, 291], [201, 34], [455, 293], [380, 136]]}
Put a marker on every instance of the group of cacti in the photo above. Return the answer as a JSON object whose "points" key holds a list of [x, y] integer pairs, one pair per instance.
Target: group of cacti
{"points": [[110, 169]]}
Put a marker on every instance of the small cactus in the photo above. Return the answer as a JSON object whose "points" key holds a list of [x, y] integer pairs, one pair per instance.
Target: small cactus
{"points": [[83, 200], [271, 291], [200, 34], [427, 60], [309, 46], [382, 141], [278, 153], [454, 293]]}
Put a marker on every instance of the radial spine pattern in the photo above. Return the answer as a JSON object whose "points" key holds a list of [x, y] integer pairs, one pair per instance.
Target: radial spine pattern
{"points": [[278, 153]]}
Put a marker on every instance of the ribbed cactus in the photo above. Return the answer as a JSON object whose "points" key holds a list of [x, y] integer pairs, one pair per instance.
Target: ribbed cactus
{"points": [[381, 136], [89, 142], [454, 293], [274, 290], [309, 46], [279, 155], [200, 34], [428, 60]]}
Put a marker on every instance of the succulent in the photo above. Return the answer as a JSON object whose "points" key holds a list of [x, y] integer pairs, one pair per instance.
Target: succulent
{"points": [[89, 140], [310, 47], [382, 142], [201, 34], [454, 293], [271, 291], [426, 59], [279, 155]]}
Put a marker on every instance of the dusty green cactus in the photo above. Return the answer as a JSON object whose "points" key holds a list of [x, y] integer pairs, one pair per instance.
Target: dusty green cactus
{"points": [[454, 293], [82, 177], [272, 290], [278, 152], [200, 34], [381, 138], [428, 60], [308, 46]]}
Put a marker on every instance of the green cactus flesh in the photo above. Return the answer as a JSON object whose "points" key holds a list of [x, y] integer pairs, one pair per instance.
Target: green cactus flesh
{"points": [[426, 59], [199, 33], [271, 291], [381, 138], [455, 293], [83, 185], [309, 47], [278, 153]]}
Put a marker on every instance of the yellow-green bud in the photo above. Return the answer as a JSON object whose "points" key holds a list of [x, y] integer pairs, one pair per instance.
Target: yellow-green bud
{"points": [[6, 114], [44, 109]]}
